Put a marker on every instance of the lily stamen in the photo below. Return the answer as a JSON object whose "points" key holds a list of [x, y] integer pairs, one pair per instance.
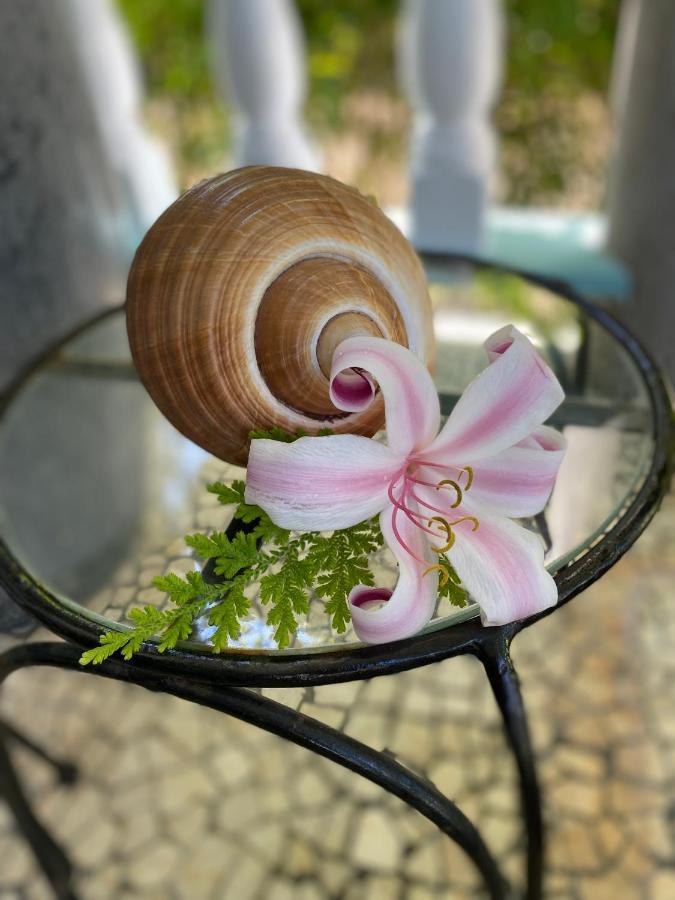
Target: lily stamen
{"points": [[419, 500], [416, 518], [448, 526], [469, 476], [431, 484], [462, 470], [444, 525], [472, 519], [444, 576], [455, 486], [403, 544], [448, 546], [399, 504]]}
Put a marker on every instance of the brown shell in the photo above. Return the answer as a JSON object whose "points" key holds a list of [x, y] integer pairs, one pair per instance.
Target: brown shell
{"points": [[243, 288]]}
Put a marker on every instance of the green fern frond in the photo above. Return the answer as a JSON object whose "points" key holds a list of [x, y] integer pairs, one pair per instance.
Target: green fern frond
{"points": [[287, 566]]}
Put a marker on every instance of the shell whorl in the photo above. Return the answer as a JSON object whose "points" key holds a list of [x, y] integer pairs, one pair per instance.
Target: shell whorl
{"points": [[242, 289]]}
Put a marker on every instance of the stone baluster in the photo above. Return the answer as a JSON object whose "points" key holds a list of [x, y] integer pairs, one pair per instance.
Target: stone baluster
{"points": [[450, 54], [67, 204], [62, 207], [111, 78], [624, 54], [259, 63], [642, 187]]}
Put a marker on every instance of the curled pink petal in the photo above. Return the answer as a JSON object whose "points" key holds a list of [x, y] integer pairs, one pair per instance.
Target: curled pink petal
{"points": [[318, 484], [501, 564], [410, 398], [352, 390], [380, 615], [364, 598], [518, 481], [515, 394]]}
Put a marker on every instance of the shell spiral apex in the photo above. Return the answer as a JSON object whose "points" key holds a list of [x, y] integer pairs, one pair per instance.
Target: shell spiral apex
{"points": [[243, 288]]}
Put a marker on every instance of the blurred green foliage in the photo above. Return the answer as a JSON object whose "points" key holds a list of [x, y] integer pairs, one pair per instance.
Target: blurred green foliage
{"points": [[552, 114], [169, 35], [558, 63]]}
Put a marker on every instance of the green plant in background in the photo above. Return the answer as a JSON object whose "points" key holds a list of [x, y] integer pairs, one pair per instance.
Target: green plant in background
{"points": [[183, 108], [552, 116], [350, 48]]}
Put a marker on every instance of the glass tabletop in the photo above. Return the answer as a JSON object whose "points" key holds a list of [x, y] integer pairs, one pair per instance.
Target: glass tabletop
{"points": [[97, 489]]}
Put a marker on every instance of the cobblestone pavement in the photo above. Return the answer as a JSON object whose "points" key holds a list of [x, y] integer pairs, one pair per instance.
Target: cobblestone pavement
{"points": [[176, 801]]}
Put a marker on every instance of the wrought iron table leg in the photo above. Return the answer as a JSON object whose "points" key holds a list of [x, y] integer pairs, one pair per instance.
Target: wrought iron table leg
{"points": [[48, 854], [505, 686], [274, 717], [374, 765]]}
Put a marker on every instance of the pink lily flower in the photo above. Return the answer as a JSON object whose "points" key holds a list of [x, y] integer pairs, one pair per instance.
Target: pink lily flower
{"points": [[449, 494]]}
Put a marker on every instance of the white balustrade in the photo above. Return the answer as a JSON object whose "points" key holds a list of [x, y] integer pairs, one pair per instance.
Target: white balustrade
{"points": [[112, 80], [259, 62], [623, 56], [642, 188], [450, 54]]}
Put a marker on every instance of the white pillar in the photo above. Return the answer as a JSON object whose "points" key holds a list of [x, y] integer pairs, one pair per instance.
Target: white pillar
{"points": [[642, 188], [450, 64], [624, 54], [258, 57], [112, 80], [62, 207]]}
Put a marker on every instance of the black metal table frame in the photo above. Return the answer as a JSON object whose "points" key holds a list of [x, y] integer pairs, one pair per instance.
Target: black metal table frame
{"points": [[223, 682]]}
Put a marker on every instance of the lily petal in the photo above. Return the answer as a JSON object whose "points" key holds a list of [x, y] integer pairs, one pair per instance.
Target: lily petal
{"points": [[380, 615], [411, 401], [518, 481], [501, 564], [319, 484], [353, 390], [502, 405]]}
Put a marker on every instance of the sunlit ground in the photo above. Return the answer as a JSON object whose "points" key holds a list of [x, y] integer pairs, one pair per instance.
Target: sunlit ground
{"points": [[175, 801]]}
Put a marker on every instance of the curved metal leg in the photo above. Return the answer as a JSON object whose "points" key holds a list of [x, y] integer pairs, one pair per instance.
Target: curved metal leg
{"points": [[298, 728], [506, 688]]}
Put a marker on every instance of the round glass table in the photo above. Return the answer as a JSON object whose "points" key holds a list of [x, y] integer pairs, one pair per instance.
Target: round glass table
{"points": [[97, 491]]}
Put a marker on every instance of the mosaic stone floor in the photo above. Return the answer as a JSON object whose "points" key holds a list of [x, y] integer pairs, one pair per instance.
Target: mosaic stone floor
{"points": [[175, 801]]}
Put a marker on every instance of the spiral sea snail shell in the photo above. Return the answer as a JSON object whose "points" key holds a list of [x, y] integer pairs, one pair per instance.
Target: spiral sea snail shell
{"points": [[243, 288]]}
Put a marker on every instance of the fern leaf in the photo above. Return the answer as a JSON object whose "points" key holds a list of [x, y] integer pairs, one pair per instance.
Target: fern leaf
{"points": [[286, 592], [225, 616], [239, 553]]}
